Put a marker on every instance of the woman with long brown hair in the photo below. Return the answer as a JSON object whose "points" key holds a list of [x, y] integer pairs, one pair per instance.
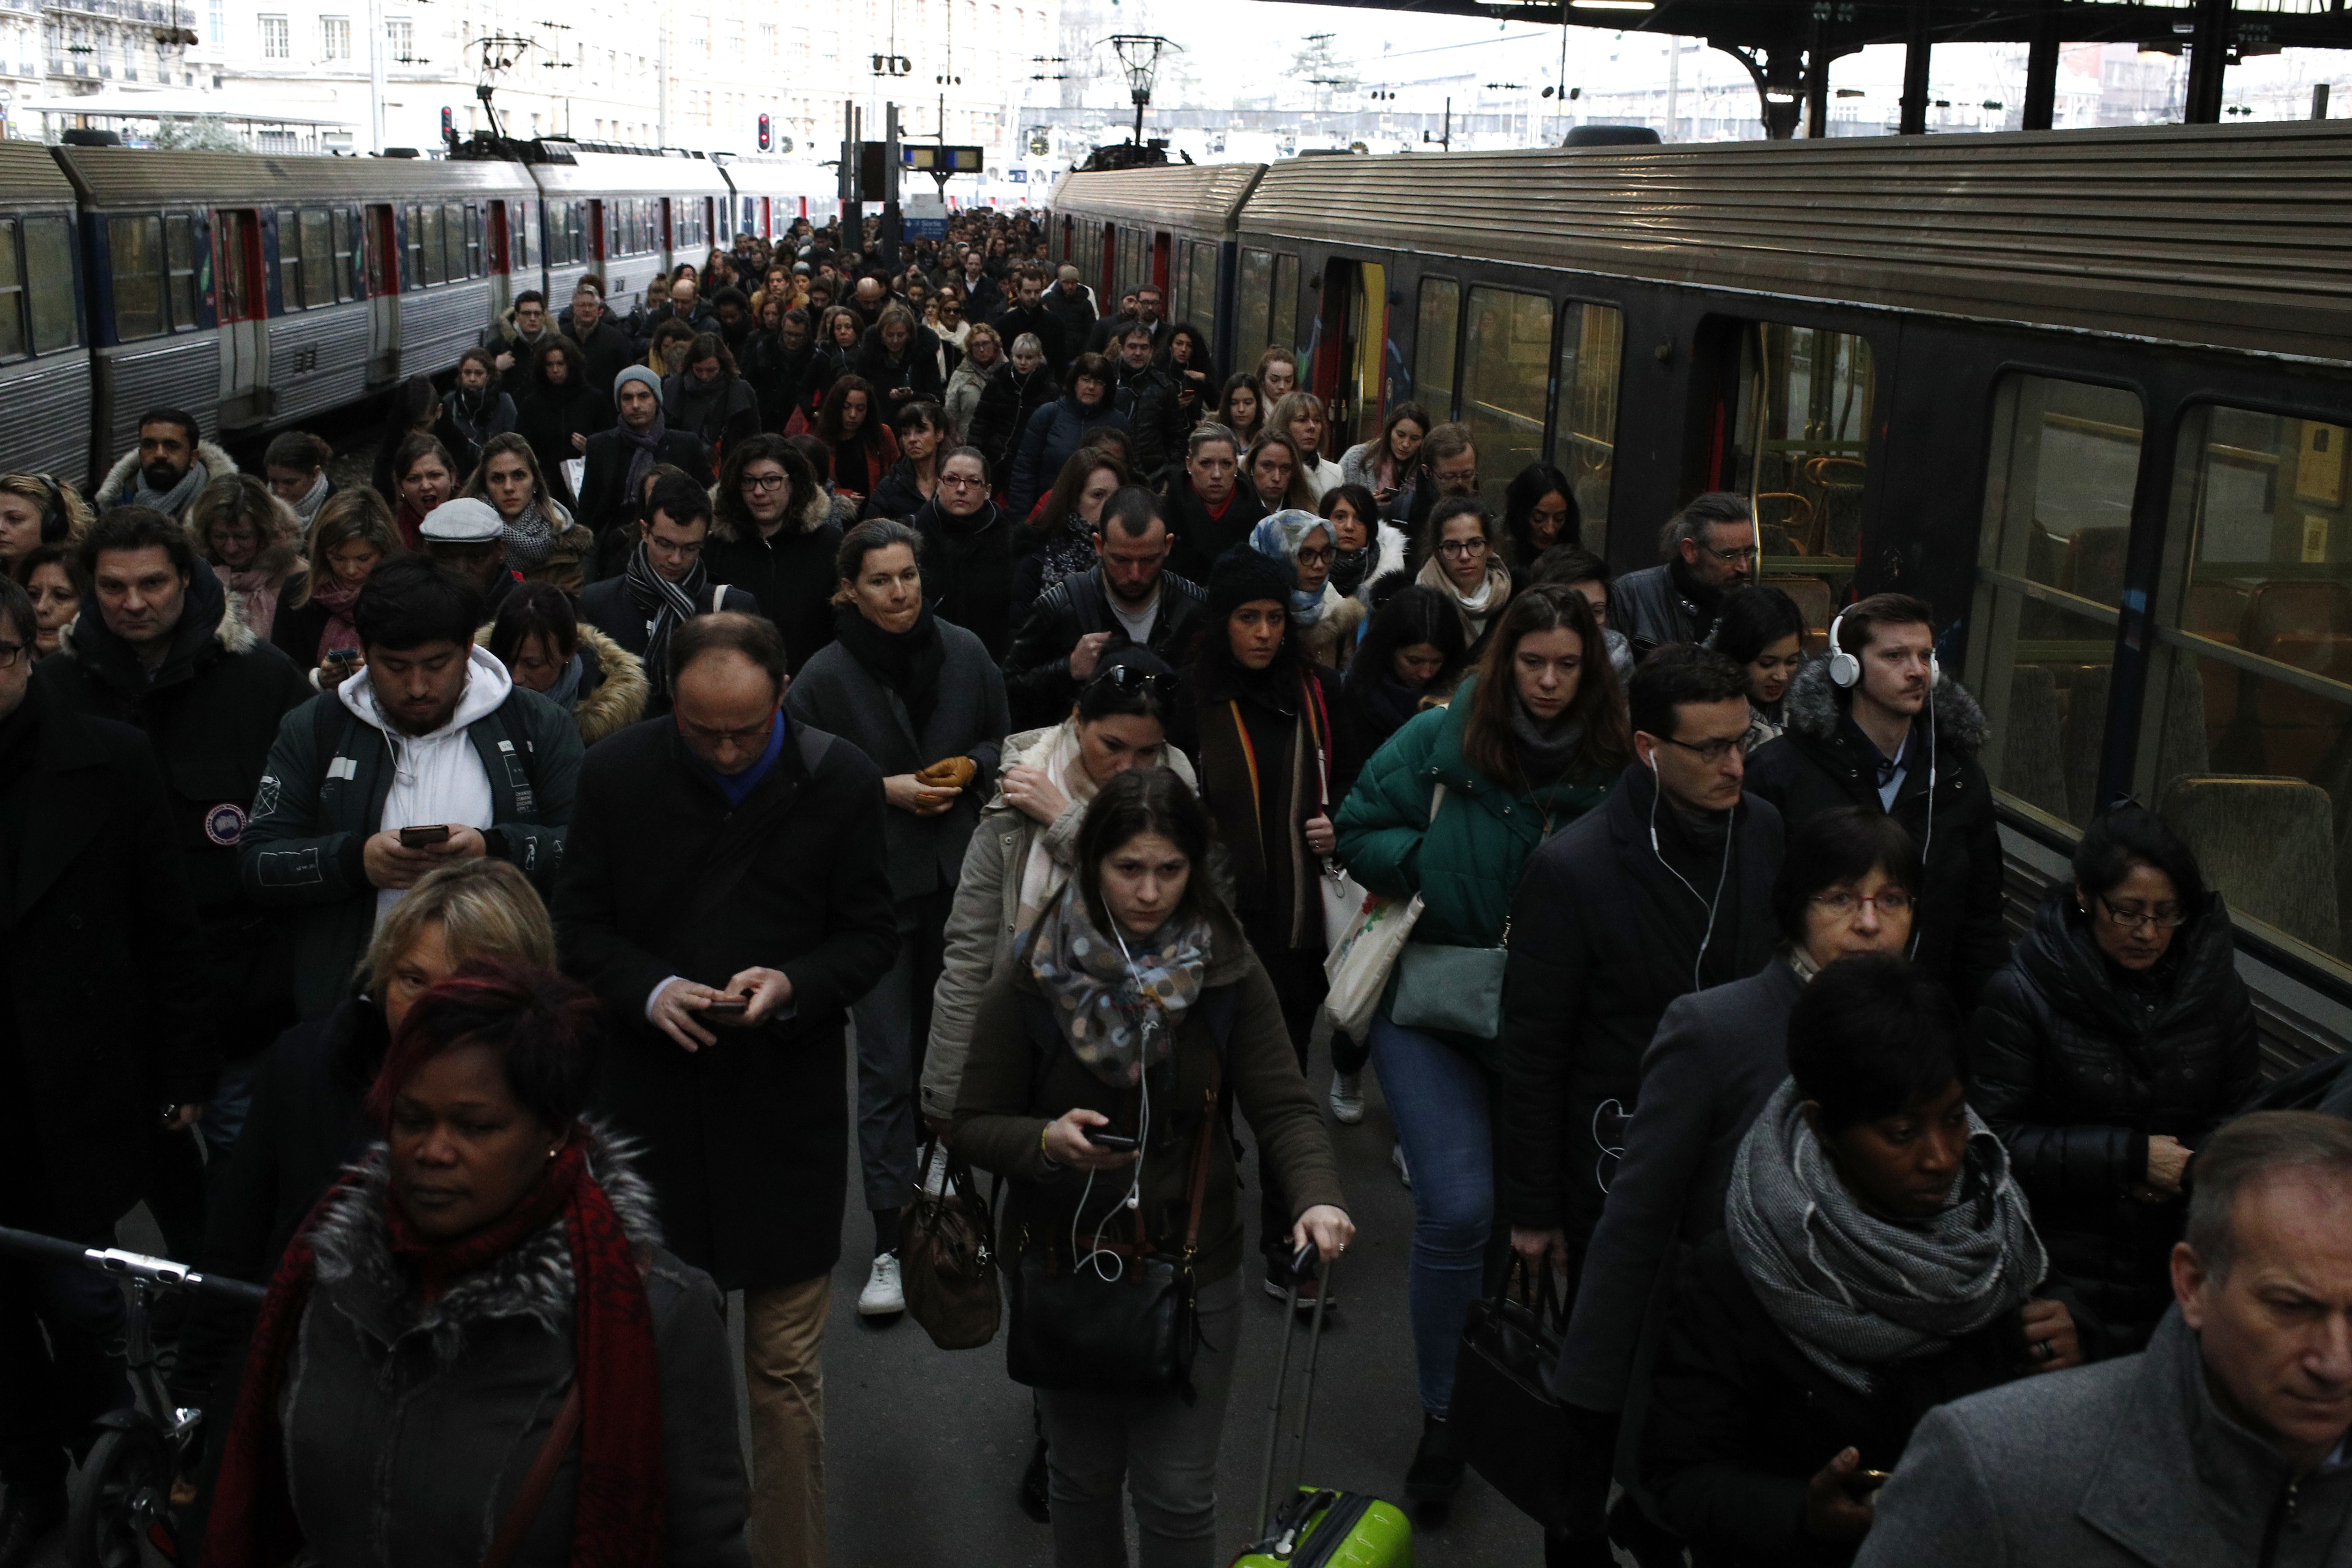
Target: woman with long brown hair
{"points": [[1451, 809], [850, 426]]}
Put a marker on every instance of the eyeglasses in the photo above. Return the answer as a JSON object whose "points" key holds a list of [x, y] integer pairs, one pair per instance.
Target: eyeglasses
{"points": [[1129, 678], [10, 652], [1845, 904], [2165, 917], [1461, 547], [1746, 557], [764, 481], [1711, 751], [1315, 558], [960, 481]]}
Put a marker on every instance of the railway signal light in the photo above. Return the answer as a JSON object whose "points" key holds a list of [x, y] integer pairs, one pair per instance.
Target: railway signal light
{"points": [[767, 134]]}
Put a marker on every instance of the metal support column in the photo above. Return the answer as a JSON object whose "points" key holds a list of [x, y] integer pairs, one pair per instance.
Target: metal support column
{"points": [[888, 239], [1914, 70], [2209, 57], [1817, 80], [2042, 69]]}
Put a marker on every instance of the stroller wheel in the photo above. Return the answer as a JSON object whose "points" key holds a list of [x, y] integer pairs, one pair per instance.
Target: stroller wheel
{"points": [[120, 1496]]}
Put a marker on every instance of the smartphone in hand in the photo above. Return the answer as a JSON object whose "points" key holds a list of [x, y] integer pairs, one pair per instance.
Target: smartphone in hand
{"points": [[1114, 1143], [418, 837]]}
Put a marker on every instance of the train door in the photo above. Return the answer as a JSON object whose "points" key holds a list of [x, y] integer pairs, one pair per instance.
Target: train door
{"points": [[598, 243], [244, 305], [500, 260], [1162, 245], [381, 240], [1351, 351], [1106, 287]]}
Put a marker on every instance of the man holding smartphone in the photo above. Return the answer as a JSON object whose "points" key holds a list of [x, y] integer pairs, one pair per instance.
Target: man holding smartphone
{"points": [[428, 755], [727, 892]]}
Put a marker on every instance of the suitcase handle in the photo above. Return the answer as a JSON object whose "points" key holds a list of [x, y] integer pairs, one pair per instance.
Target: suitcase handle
{"points": [[1273, 1523]]}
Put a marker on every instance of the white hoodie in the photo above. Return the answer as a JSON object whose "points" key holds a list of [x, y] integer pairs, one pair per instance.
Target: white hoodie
{"points": [[436, 778]]}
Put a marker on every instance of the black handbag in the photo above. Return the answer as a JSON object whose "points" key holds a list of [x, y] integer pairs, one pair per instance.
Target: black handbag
{"points": [[1515, 1431], [1073, 1328], [948, 1259]]}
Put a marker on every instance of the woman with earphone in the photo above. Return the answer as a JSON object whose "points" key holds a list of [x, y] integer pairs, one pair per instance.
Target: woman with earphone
{"points": [[1101, 1058], [1878, 724]]}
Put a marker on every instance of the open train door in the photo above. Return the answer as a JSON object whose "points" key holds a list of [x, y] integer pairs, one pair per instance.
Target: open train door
{"points": [[1162, 245], [1350, 351], [383, 245], [243, 297]]}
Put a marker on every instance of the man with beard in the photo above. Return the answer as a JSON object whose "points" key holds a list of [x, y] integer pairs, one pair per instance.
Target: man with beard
{"points": [[174, 462], [605, 350], [1027, 313], [620, 459], [428, 755], [1128, 596], [665, 585], [1710, 547]]}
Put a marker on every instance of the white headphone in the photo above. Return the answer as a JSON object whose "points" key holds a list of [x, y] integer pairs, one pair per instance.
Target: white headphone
{"points": [[1845, 671]]}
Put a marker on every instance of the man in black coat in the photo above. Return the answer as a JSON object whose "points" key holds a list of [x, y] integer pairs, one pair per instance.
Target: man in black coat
{"points": [[1864, 743], [606, 497], [1664, 889], [160, 647], [1147, 395], [1073, 305], [1027, 313], [103, 1044], [1710, 548], [729, 856], [666, 585], [1128, 596], [605, 350], [1210, 511], [1148, 312]]}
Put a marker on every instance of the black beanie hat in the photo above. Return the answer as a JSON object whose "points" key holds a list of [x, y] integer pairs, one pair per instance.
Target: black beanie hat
{"points": [[1241, 575]]}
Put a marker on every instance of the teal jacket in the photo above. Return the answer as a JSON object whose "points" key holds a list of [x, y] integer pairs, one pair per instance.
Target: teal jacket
{"points": [[1465, 864]]}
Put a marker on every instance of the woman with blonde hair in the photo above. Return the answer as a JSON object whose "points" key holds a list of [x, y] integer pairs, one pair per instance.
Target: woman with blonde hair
{"points": [[37, 509], [1301, 417], [352, 535], [251, 539]]}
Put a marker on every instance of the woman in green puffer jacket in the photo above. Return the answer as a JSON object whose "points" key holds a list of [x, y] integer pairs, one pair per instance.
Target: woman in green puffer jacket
{"points": [[1532, 742]]}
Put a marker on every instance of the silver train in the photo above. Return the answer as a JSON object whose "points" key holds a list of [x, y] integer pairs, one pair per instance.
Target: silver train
{"points": [[259, 291]]}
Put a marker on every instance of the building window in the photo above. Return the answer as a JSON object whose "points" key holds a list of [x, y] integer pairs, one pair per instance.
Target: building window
{"points": [[334, 37], [400, 41], [276, 38], [218, 12]]}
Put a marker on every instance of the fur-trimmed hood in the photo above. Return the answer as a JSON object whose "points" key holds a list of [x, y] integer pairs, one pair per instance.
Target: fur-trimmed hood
{"points": [[815, 512], [86, 638], [122, 480], [281, 552], [1814, 706], [619, 699], [533, 1280]]}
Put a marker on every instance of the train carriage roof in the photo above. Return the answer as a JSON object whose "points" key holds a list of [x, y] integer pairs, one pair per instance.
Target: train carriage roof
{"points": [[630, 174], [29, 173], [148, 177], [1204, 197], [2236, 237]]}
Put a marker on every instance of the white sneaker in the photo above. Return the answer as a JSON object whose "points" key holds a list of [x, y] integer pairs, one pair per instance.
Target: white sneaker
{"points": [[1347, 1098], [1404, 1172], [884, 1296]]}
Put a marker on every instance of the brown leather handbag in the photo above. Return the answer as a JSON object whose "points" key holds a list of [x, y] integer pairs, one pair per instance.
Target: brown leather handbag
{"points": [[947, 1262]]}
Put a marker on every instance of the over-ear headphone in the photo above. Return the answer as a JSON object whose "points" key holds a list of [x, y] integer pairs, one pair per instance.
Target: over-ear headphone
{"points": [[55, 522], [1845, 671]]}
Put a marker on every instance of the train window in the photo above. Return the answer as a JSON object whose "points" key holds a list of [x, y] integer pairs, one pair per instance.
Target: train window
{"points": [[1800, 435], [50, 255], [239, 278], [12, 294], [1251, 307], [318, 256], [136, 247], [2246, 743], [2058, 498], [463, 226], [347, 283], [1283, 326], [1434, 341], [1584, 442], [425, 241], [290, 260], [183, 268], [1200, 288], [1503, 379]]}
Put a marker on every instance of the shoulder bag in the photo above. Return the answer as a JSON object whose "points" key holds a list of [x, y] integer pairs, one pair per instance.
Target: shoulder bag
{"points": [[948, 1260], [1361, 956], [1517, 1431], [1132, 1333]]}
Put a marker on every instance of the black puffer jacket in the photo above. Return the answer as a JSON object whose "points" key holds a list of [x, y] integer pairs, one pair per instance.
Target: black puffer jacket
{"points": [[1821, 761], [2077, 1064]]}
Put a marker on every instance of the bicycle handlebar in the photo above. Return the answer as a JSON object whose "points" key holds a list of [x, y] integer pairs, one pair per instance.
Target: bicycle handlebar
{"points": [[159, 1272]]}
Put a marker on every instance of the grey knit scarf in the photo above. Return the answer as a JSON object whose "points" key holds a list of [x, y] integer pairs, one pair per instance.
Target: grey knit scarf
{"points": [[1853, 1290], [174, 502]]}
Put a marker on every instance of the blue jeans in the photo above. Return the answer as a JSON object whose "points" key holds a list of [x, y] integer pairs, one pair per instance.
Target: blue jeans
{"points": [[1443, 1104]]}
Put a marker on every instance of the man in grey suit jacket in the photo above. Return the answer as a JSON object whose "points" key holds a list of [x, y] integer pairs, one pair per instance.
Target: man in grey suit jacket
{"points": [[2223, 1442]]}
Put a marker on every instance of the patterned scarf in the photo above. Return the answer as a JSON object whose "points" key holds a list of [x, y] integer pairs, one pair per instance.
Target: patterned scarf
{"points": [[1069, 552], [664, 603], [644, 450], [1280, 538], [529, 537], [617, 1518], [1853, 1290], [1117, 1006], [306, 509]]}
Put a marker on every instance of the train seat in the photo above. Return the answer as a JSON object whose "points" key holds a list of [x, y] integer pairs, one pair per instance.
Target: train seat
{"points": [[2300, 729], [2092, 568], [2085, 737], [1815, 601], [2267, 844], [2216, 611]]}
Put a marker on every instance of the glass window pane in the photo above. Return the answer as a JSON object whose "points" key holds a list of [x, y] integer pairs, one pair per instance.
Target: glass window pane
{"points": [[51, 256], [1584, 443], [1433, 346], [1282, 328], [430, 244], [1800, 439], [238, 289], [2058, 496], [136, 246], [412, 271], [318, 258], [345, 284], [1504, 381], [2249, 714], [1203, 309], [12, 293], [290, 260], [1256, 293], [188, 267], [453, 235]]}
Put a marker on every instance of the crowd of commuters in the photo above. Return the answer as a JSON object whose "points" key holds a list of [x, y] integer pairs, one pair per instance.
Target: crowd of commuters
{"points": [[936, 696]]}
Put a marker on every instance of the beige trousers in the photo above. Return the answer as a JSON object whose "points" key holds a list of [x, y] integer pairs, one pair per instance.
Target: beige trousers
{"points": [[783, 1369]]}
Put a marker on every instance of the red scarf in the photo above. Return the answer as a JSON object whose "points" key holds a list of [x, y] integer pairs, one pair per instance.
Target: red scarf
{"points": [[616, 1521], [338, 599]]}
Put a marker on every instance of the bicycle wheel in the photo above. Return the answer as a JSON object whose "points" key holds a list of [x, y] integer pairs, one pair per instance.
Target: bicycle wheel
{"points": [[121, 1494]]}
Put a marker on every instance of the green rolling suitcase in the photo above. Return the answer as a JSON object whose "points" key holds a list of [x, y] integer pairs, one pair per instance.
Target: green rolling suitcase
{"points": [[1317, 1527]]}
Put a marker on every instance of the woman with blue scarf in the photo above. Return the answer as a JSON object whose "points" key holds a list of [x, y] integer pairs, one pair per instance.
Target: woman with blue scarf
{"points": [[1324, 620]]}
